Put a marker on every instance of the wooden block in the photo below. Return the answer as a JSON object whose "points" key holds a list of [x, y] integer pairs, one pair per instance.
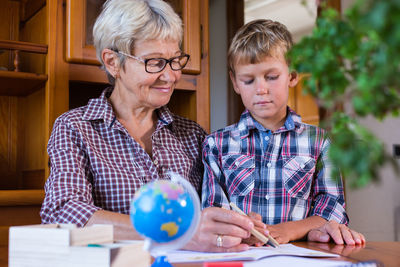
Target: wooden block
{"points": [[54, 236], [67, 245], [118, 254]]}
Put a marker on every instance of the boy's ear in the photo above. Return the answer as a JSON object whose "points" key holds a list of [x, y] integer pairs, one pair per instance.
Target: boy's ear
{"points": [[232, 76], [111, 62], [294, 79]]}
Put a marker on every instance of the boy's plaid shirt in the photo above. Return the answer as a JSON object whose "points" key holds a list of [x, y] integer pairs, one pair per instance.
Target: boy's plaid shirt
{"points": [[283, 176]]}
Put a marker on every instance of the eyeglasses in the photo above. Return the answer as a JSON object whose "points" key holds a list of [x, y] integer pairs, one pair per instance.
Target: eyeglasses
{"points": [[155, 65]]}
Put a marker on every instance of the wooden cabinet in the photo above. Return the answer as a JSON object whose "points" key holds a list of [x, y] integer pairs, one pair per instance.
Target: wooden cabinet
{"points": [[81, 15], [57, 71], [189, 10], [23, 81], [304, 104]]}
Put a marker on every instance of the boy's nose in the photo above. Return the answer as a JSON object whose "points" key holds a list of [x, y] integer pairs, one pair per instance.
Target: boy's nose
{"points": [[261, 88]]}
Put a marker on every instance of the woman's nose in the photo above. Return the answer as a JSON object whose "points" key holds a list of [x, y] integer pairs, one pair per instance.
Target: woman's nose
{"points": [[170, 75]]}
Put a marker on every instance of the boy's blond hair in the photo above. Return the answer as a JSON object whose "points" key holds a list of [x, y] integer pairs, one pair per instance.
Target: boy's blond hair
{"points": [[256, 40]]}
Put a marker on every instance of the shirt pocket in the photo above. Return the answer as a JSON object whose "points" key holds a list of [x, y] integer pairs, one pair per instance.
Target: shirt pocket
{"points": [[297, 175], [239, 171]]}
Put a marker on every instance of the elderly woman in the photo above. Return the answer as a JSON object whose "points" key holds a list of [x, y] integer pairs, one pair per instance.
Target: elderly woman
{"points": [[101, 153]]}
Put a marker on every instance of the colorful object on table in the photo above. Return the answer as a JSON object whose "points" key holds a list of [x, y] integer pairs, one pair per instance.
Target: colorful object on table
{"points": [[166, 213], [223, 264]]}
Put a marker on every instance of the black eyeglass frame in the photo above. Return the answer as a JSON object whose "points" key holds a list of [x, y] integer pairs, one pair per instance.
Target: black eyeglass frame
{"points": [[167, 61]]}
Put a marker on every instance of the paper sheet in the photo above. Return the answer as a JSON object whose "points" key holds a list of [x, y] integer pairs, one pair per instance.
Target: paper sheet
{"points": [[280, 261], [254, 253]]}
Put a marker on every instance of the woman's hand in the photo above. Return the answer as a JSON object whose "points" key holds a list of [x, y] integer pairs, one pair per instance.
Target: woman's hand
{"points": [[229, 225], [259, 226], [339, 233]]}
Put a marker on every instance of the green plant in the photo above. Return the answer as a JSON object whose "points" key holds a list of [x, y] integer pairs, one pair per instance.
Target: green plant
{"points": [[354, 59]]}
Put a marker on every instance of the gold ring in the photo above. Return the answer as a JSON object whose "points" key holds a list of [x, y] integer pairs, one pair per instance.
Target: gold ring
{"points": [[219, 240]]}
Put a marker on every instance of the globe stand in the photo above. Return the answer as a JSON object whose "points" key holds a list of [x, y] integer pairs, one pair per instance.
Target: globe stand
{"points": [[161, 261], [144, 211]]}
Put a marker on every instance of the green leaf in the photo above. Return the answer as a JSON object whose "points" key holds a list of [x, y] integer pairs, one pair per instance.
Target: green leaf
{"points": [[354, 55]]}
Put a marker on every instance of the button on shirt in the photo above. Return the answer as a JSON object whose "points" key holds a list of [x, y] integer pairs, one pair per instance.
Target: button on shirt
{"points": [[283, 176], [96, 164]]}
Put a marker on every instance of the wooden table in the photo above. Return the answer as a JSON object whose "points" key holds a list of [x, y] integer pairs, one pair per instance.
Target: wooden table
{"points": [[387, 253]]}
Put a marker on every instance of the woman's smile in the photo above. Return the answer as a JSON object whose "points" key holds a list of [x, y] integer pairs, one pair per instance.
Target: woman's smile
{"points": [[163, 89]]}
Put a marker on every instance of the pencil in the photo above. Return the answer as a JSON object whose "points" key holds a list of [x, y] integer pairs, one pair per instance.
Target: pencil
{"points": [[254, 232]]}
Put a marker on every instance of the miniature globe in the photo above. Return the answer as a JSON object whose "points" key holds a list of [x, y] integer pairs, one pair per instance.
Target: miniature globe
{"points": [[166, 213], [162, 211]]}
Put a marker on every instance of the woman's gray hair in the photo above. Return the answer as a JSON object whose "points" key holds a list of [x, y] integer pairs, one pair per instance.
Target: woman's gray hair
{"points": [[122, 22]]}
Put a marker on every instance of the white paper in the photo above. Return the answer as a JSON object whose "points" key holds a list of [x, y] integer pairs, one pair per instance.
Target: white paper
{"points": [[280, 261], [254, 253]]}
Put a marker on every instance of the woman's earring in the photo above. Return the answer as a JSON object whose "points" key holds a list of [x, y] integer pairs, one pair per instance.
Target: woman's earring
{"points": [[117, 75]]}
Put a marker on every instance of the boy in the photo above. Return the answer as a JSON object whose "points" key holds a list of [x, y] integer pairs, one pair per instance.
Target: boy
{"points": [[270, 164]]}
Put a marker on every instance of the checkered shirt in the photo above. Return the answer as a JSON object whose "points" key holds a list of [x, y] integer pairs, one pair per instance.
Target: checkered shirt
{"points": [[95, 163], [282, 175]]}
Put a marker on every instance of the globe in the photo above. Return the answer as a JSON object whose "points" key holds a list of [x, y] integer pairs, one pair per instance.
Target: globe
{"points": [[166, 213], [162, 211]]}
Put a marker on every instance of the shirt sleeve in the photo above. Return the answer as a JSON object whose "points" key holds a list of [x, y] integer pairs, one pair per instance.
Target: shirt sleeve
{"points": [[68, 191], [328, 194], [213, 190]]}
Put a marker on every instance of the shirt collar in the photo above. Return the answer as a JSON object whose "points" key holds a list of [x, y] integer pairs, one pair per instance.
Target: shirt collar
{"points": [[101, 109], [165, 117], [289, 124], [248, 123]]}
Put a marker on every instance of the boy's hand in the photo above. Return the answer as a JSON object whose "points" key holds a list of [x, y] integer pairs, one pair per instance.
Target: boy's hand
{"points": [[259, 226], [342, 250], [339, 233], [281, 232]]}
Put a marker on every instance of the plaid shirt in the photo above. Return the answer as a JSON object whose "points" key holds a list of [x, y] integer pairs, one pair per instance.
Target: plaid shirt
{"points": [[283, 176], [96, 164]]}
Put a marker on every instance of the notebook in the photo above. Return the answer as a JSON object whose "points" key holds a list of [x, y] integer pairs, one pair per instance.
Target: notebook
{"points": [[254, 253]]}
